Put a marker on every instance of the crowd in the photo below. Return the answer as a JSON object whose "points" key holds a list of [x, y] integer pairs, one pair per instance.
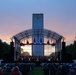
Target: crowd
{"points": [[59, 68], [48, 68], [16, 68]]}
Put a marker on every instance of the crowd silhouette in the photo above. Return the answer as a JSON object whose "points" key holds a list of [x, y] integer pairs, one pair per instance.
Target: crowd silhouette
{"points": [[48, 68]]}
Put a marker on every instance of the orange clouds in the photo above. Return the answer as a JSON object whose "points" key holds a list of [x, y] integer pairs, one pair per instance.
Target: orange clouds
{"points": [[6, 38]]}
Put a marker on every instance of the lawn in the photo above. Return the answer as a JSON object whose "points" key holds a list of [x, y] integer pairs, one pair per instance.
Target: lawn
{"points": [[37, 71]]}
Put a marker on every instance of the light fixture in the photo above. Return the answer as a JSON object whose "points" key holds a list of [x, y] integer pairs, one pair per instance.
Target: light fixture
{"points": [[34, 41], [27, 42], [40, 40], [48, 42]]}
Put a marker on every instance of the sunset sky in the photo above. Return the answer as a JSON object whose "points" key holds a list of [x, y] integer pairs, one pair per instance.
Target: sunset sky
{"points": [[59, 16]]}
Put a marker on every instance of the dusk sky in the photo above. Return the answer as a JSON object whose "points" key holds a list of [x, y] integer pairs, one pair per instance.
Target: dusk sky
{"points": [[59, 16]]}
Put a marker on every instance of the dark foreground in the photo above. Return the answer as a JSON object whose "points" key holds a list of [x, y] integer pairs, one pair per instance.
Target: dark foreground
{"points": [[36, 68]]}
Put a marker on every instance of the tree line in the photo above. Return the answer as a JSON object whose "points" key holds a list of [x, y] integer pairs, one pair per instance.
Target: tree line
{"points": [[71, 49], [4, 48]]}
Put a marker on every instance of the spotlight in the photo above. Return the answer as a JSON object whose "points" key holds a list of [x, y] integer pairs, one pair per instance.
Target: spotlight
{"points": [[48, 42], [27, 42], [40, 41], [34, 41]]}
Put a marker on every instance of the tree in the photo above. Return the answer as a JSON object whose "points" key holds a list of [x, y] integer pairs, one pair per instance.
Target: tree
{"points": [[71, 49], [4, 48]]}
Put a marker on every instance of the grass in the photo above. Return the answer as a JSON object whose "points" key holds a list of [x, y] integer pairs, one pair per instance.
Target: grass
{"points": [[37, 71]]}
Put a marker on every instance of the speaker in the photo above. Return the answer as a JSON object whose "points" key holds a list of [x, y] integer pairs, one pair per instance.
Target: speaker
{"points": [[58, 56], [12, 50], [63, 46], [7, 57], [63, 51], [68, 57]]}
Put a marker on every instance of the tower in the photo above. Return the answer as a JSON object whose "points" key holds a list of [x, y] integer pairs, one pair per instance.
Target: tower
{"points": [[37, 38]]}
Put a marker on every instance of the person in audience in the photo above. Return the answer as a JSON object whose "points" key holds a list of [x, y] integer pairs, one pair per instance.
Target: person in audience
{"points": [[15, 71], [1, 72], [7, 71], [72, 72]]}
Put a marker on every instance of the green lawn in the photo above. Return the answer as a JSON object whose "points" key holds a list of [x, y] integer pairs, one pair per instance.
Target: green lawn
{"points": [[37, 71]]}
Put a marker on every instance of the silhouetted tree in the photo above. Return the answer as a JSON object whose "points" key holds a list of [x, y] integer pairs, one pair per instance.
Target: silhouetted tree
{"points": [[4, 48], [72, 49]]}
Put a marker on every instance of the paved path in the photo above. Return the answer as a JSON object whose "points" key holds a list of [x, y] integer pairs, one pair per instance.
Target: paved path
{"points": [[37, 71]]}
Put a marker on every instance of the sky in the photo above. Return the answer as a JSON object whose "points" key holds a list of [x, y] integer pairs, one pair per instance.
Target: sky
{"points": [[59, 16]]}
